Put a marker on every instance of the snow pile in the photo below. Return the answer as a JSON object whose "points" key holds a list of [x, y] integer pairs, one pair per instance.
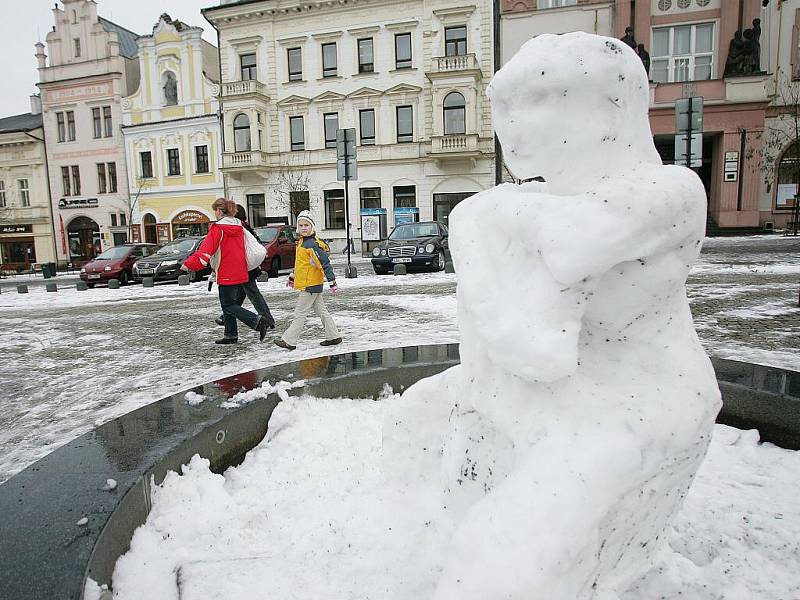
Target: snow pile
{"points": [[193, 398], [584, 402], [245, 397]]}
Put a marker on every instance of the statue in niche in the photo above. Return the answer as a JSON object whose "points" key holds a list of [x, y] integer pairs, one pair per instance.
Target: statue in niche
{"points": [[735, 49], [645, 56], [628, 38], [170, 89], [744, 53]]}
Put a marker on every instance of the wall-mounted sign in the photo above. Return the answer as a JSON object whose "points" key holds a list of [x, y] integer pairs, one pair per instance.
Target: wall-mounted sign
{"points": [[731, 156], [16, 228], [730, 176], [78, 203], [190, 216], [731, 166]]}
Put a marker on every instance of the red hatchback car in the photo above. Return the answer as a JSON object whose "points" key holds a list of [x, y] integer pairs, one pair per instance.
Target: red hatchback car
{"points": [[280, 242], [115, 263]]}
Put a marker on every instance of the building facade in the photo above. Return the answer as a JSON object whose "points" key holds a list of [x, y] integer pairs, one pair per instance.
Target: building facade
{"points": [[409, 78], [26, 225], [171, 133], [694, 48], [89, 66]]}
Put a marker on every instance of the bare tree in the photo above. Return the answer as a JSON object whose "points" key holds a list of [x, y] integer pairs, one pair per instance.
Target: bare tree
{"points": [[779, 155], [132, 201], [293, 183]]}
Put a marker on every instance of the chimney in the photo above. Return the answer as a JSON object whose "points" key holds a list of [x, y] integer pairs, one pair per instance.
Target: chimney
{"points": [[41, 57], [36, 104]]}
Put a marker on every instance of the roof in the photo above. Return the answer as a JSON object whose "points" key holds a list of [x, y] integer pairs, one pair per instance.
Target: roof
{"points": [[127, 39], [24, 122]]}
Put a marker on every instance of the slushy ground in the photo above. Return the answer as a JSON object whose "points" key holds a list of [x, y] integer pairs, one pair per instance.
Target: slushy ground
{"points": [[73, 360]]}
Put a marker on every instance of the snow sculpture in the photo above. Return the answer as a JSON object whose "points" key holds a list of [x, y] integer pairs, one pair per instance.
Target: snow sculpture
{"points": [[584, 402]]}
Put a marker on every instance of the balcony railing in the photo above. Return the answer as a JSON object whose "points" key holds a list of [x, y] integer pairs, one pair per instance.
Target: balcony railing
{"points": [[243, 160], [242, 88], [454, 64], [454, 144]]}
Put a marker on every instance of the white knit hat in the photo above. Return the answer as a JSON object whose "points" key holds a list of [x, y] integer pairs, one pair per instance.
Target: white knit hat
{"points": [[306, 214]]}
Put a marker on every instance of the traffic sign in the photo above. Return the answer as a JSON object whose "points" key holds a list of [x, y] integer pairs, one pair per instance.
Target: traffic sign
{"points": [[689, 115]]}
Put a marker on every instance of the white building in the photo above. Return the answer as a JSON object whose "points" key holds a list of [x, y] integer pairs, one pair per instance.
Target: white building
{"points": [[89, 66], [26, 228], [409, 77], [171, 132]]}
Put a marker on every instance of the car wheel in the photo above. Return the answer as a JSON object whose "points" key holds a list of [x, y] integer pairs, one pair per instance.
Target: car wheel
{"points": [[440, 261], [124, 278], [274, 266], [90, 285], [379, 271]]}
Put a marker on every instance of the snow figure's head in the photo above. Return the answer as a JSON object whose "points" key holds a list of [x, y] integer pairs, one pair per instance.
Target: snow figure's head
{"points": [[572, 108]]}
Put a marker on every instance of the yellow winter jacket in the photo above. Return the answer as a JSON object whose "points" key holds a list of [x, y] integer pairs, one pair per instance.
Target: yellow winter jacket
{"points": [[311, 264]]}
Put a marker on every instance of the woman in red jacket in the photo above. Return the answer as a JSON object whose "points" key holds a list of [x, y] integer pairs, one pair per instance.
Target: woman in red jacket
{"points": [[224, 249]]}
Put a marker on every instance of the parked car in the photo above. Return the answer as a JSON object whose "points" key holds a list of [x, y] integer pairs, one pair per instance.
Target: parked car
{"points": [[115, 263], [420, 246], [166, 262], [280, 242]]}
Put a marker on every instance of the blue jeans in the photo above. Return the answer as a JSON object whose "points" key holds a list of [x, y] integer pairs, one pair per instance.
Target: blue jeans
{"points": [[251, 292], [231, 309]]}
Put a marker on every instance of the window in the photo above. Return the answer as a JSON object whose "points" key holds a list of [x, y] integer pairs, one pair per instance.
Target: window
{"points": [[241, 133], [101, 178], [402, 51], [555, 3], [98, 124], [334, 209], [295, 57], [107, 124], [329, 60], [684, 53], [370, 197], [112, 177], [297, 133], [331, 125], [123, 219], [65, 181], [24, 193], [70, 126], [454, 114], [62, 131], [443, 204], [249, 67], [366, 120], [76, 44], [298, 202], [366, 62], [173, 162], [405, 196], [788, 171], [113, 219], [201, 159], [455, 41], [76, 180], [256, 208], [2, 194], [146, 161], [405, 124]]}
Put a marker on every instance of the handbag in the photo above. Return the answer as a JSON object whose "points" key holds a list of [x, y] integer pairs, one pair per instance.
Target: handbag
{"points": [[254, 251]]}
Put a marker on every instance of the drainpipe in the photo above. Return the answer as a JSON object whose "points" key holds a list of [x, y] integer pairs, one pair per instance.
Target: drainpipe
{"points": [[220, 116], [49, 193], [498, 152], [742, 146]]}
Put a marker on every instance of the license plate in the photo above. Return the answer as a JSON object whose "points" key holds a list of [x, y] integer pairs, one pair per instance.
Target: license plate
{"points": [[94, 276], [146, 271], [401, 260]]}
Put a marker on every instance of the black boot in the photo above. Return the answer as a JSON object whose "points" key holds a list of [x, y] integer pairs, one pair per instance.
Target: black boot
{"points": [[227, 341]]}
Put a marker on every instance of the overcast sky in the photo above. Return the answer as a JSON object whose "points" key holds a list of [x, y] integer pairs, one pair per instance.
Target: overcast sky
{"points": [[24, 23]]}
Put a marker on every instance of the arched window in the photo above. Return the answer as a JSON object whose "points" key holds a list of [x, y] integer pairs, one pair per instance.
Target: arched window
{"points": [[454, 114], [241, 133], [170, 89], [788, 176]]}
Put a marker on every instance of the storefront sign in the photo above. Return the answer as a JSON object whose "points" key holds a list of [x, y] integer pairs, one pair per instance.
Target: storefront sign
{"points": [[78, 203], [16, 228], [190, 216]]}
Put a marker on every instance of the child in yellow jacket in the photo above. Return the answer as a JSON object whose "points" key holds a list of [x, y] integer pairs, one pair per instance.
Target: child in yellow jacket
{"points": [[311, 268]]}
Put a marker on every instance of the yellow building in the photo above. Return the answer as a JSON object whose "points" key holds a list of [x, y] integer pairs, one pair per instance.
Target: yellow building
{"points": [[171, 133]]}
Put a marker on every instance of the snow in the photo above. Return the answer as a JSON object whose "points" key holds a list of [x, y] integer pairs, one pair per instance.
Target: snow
{"points": [[193, 398], [260, 525]]}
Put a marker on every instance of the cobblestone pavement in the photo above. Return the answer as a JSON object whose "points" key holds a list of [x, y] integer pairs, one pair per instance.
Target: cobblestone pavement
{"points": [[75, 359]]}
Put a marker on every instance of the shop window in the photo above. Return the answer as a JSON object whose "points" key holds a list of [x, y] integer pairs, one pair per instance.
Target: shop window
{"points": [[455, 41], [454, 114], [405, 196], [241, 133], [295, 60], [366, 121], [402, 51], [443, 204], [366, 60], [334, 209], [297, 133], [331, 125], [370, 197]]}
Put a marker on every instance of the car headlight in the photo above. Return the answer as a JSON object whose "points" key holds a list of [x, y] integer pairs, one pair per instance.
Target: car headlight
{"points": [[83, 269], [169, 263], [376, 251], [383, 251], [107, 269], [429, 248], [421, 249]]}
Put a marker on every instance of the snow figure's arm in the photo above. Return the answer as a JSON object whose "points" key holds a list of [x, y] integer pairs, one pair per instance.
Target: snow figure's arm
{"points": [[626, 219]]}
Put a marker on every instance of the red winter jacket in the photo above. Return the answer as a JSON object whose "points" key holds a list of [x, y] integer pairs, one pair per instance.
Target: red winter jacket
{"points": [[226, 236]]}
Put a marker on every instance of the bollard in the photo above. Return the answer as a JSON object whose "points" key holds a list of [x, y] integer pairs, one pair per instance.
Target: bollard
{"points": [[399, 269], [52, 287], [81, 286], [263, 277], [449, 267], [22, 289], [148, 282], [113, 284], [351, 272], [183, 280]]}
